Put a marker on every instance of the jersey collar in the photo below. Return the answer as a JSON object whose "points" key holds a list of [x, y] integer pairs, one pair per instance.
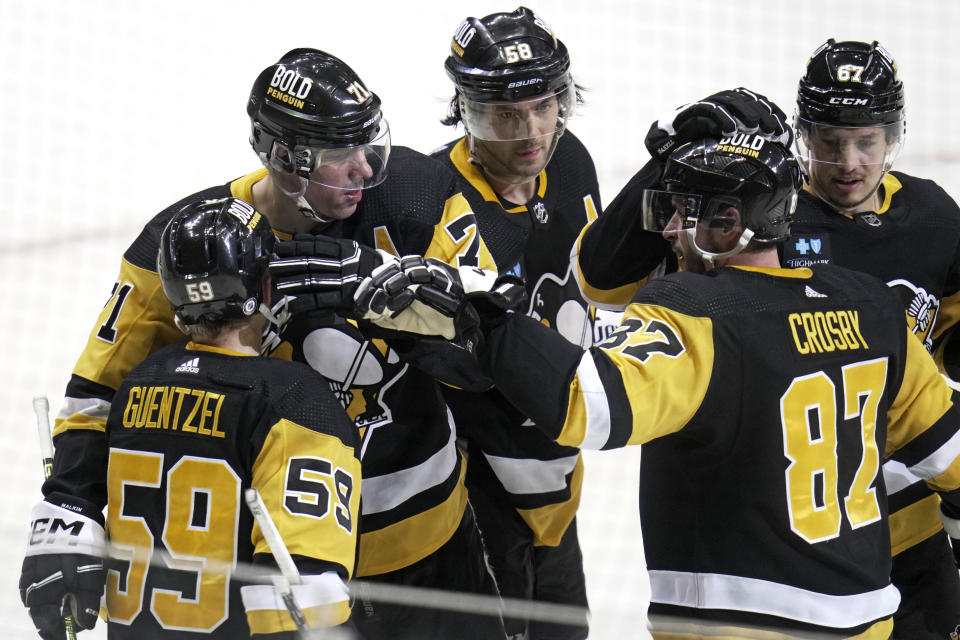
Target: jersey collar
{"points": [[460, 157]]}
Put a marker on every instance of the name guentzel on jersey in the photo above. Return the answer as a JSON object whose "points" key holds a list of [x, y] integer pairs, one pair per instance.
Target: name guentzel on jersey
{"points": [[175, 409], [826, 331]]}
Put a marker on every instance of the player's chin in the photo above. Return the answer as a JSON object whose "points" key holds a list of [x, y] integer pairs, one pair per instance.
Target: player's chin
{"points": [[528, 169]]}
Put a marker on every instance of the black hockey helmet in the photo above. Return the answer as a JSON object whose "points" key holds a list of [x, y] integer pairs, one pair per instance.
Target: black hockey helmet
{"points": [[507, 57], [310, 106], [757, 177], [852, 84], [213, 259]]}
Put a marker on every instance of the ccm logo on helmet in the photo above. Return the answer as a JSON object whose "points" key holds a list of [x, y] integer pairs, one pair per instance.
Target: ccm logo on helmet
{"points": [[289, 81], [849, 102]]}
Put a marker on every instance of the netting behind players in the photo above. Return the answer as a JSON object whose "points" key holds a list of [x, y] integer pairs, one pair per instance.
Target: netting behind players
{"points": [[110, 111]]}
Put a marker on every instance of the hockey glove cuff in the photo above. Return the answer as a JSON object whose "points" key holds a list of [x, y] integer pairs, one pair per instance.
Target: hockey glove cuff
{"points": [[322, 272], [64, 558]]}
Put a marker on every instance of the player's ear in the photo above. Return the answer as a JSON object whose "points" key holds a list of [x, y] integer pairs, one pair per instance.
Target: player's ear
{"points": [[727, 226]]}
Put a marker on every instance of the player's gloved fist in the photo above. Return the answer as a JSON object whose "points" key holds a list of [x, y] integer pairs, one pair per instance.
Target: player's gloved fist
{"points": [[63, 561], [720, 115], [483, 311], [321, 272], [385, 293], [414, 294]]}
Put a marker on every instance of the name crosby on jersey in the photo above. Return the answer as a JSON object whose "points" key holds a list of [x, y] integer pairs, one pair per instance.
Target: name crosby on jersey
{"points": [[825, 331], [175, 409]]}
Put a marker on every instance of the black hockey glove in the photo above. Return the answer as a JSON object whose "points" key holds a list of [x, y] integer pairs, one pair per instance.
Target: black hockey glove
{"points": [[426, 297], [321, 272], [718, 116], [63, 563]]}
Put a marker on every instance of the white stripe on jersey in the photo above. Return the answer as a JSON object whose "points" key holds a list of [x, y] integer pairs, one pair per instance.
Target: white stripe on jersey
{"points": [[316, 590], [595, 398], [382, 493], [521, 476], [897, 477], [93, 407], [940, 460], [737, 593]]}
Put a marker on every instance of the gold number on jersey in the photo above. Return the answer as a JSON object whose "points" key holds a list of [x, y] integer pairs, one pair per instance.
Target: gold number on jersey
{"points": [[203, 511], [808, 412], [108, 330], [200, 525], [129, 469]]}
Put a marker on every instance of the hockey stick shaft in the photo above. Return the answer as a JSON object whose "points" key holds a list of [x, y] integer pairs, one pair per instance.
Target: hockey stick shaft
{"points": [[41, 409], [289, 575]]}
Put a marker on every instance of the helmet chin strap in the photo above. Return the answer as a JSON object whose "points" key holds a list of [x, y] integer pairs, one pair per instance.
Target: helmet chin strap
{"points": [[275, 324], [709, 258], [298, 196], [180, 325]]}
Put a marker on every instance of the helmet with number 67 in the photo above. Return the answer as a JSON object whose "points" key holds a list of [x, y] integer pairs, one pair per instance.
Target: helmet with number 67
{"points": [[850, 122], [213, 260]]}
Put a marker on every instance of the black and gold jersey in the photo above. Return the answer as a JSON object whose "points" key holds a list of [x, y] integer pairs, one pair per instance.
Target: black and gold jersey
{"points": [[767, 399], [614, 256], [417, 210], [189, 430], [911, 242], [539, 478], [414, 496]]}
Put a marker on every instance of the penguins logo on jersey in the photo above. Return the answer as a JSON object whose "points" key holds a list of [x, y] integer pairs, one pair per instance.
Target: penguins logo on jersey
{"points": [[359, 371], [556, 303], [922, 309]]}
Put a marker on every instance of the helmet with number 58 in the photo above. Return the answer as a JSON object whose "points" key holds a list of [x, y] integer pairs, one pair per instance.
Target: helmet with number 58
{"points": [[514, 92]]}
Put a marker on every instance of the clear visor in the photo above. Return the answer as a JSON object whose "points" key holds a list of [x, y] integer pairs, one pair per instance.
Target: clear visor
{"points": [[521, 119], [707, 222], [348, 168], [872, 146], [663, 210]]}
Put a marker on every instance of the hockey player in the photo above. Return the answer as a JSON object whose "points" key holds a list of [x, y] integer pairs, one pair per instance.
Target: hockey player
{"points": [[854, 213], [325, 147], [189, 430], [532, 186], [767, 399]]}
